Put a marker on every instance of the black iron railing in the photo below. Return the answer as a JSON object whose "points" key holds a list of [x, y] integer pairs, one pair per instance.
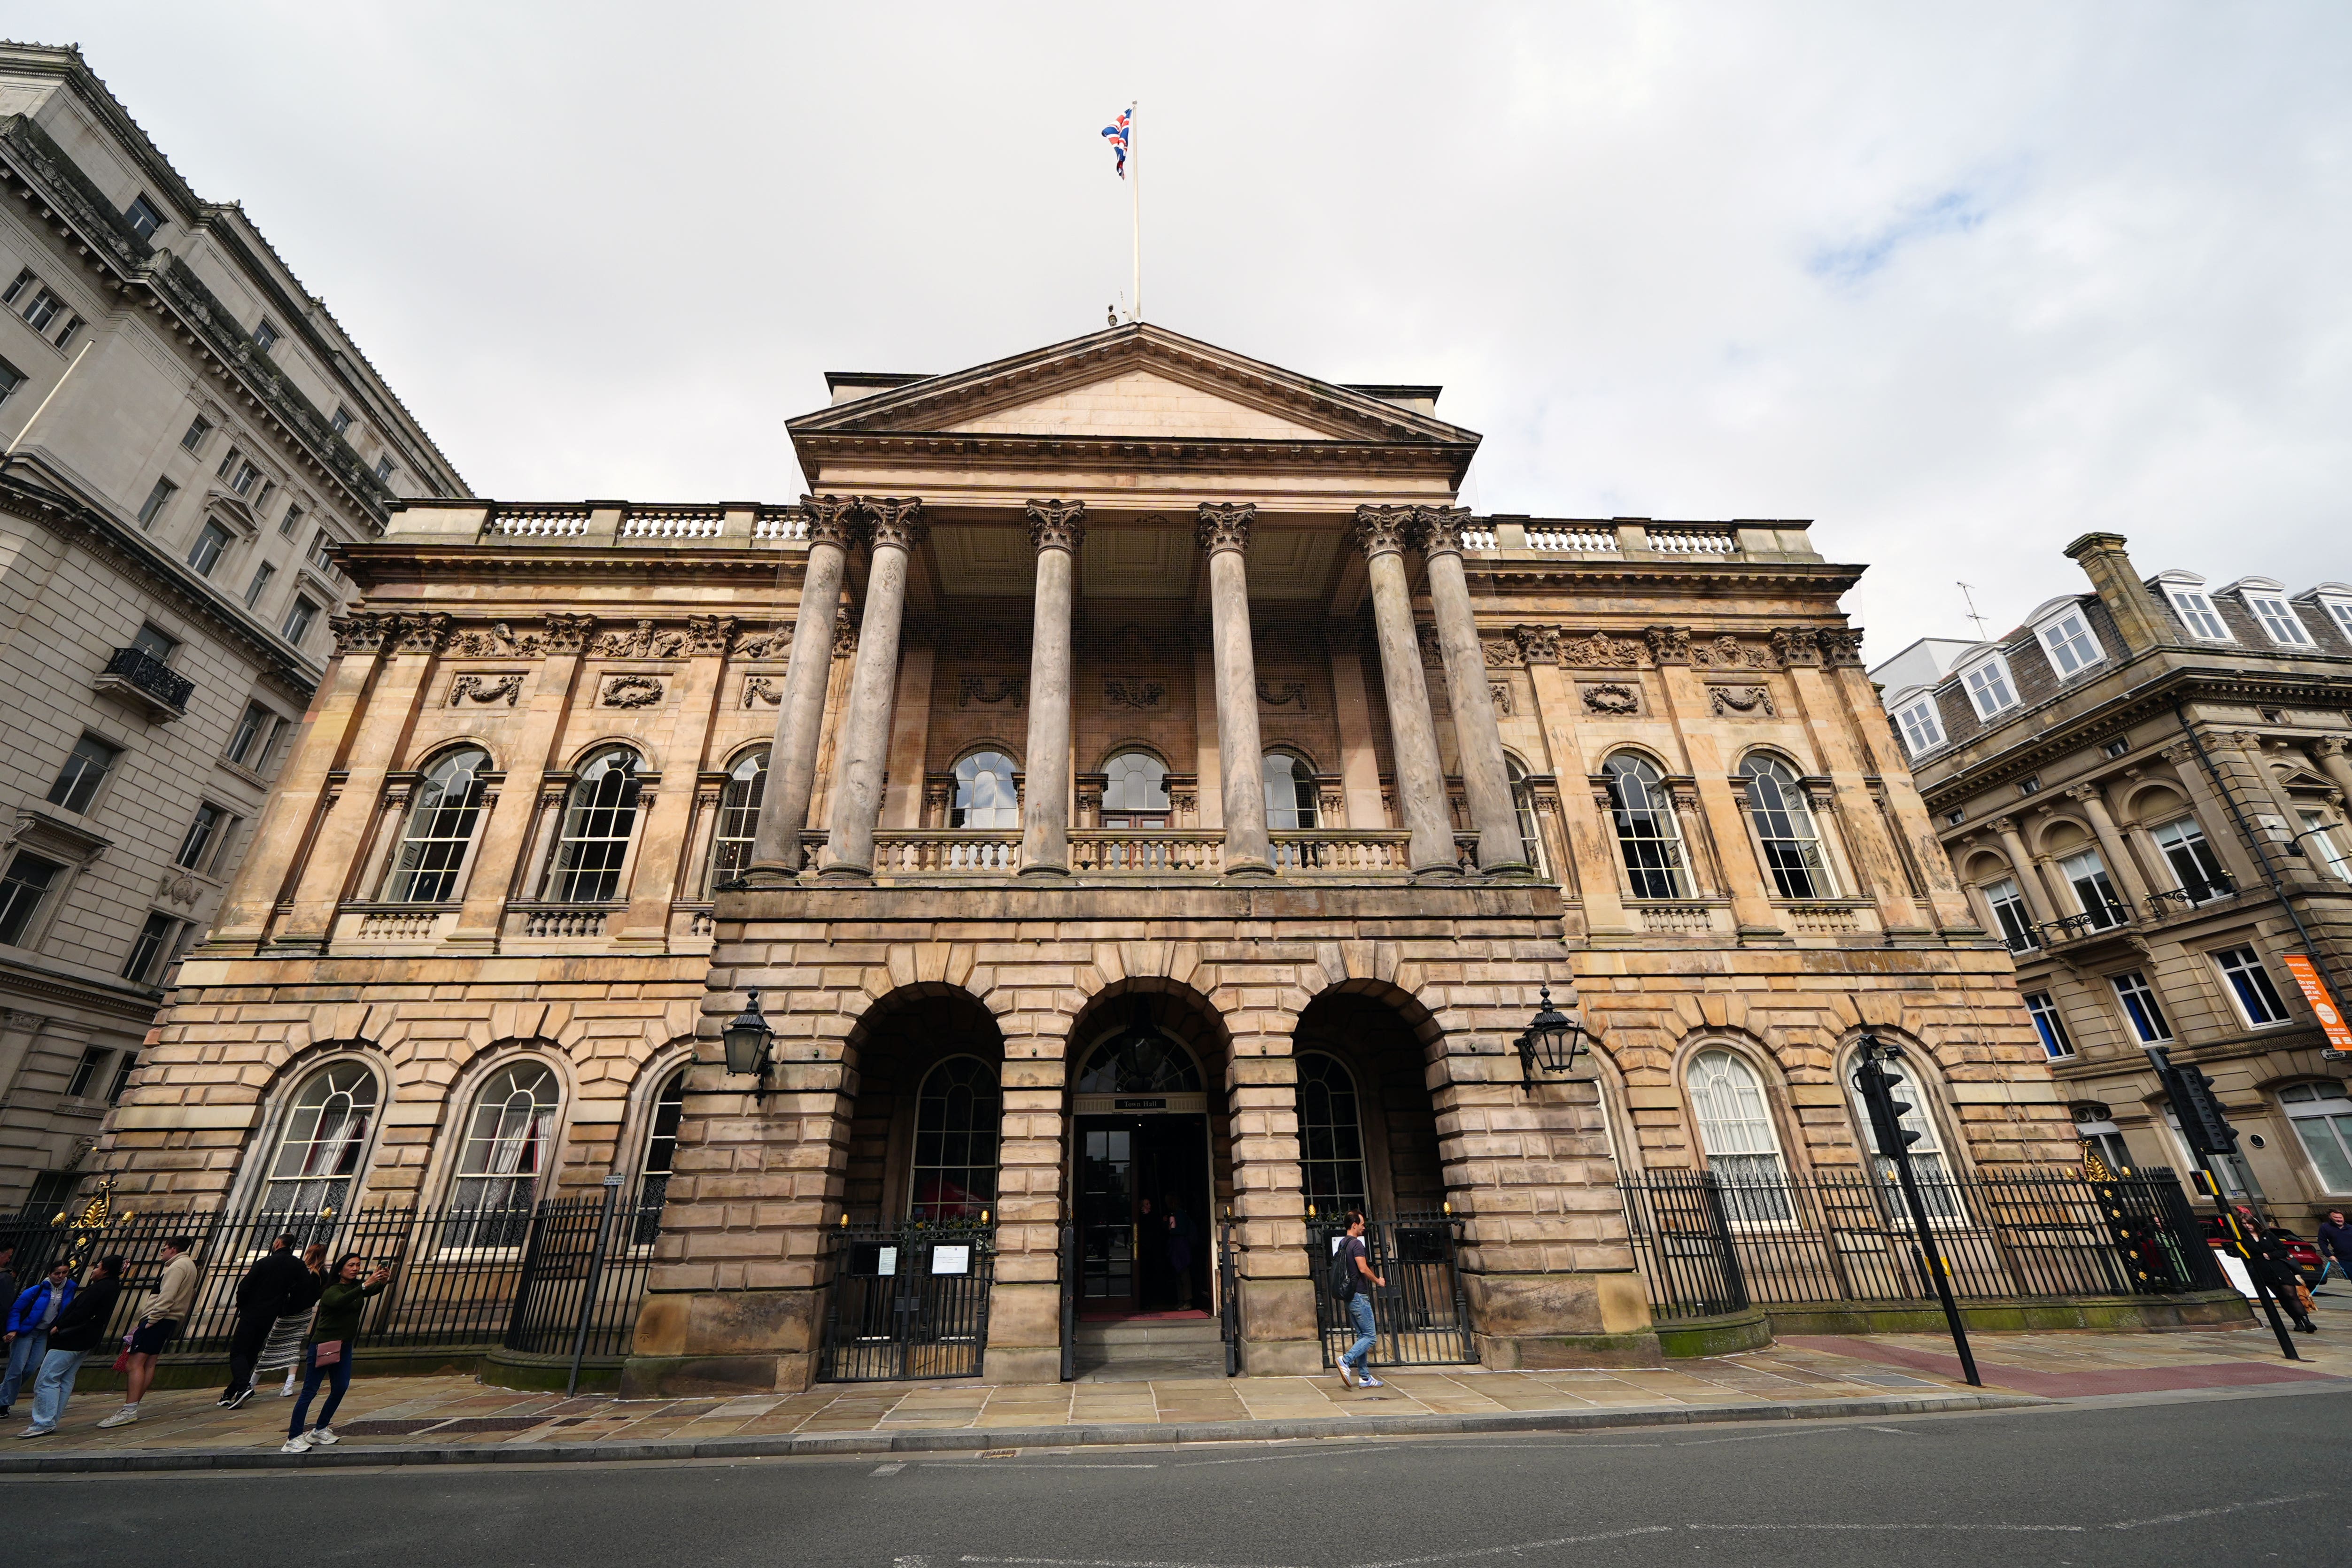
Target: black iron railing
{"points": [[477, 1279], [2112, 917], [1422, 1318], [2173, 902], [908, 1300], [1709, 1246], [152, 675]]}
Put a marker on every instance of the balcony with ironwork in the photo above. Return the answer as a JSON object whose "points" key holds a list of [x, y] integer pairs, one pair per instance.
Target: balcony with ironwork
{"points": [[2196, 896], [2111, 922], [145, 681]]}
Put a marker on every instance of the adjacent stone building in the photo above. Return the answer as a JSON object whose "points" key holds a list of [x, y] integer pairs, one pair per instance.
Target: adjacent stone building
{"points": [[188, 433], [1126, 775], [2143, 790]]}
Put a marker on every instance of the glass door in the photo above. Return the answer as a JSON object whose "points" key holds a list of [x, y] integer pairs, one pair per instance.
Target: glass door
{"points": [[1107, 1221]]}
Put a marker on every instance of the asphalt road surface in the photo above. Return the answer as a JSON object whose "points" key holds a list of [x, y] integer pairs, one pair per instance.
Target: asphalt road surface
{"points": [[2209, 1482]]}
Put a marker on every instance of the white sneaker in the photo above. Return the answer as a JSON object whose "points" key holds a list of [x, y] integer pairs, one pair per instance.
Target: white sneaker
{"points": [[324, 1435], [1347, 1375], [1368, 1381], [122, 1417], [296, 1446]]}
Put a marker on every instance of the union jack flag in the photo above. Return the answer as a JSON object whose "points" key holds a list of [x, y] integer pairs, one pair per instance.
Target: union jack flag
{"points": [[1116, 134]]}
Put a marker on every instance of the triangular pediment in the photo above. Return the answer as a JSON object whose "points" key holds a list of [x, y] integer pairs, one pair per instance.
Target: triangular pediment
{"points": [[1133, 382]]}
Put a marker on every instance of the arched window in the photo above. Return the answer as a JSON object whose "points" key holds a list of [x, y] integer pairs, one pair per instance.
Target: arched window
{"points": [[1135, 792], [1647, 834], [1289, 792], [323, 1144], [1784, 828], [600, 813], [1935, 1190], [739, 817], [957, 1119], [984, 795], [661, 1154], [2321, 1116], [509, 1144], [1735, 1130], [1141, 1062], [1523, 802], [439, 829], [1330, 1135]]}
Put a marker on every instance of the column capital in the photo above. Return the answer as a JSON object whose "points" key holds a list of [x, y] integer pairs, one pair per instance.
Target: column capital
{"points": [[1796, 645], [1668, 645], [710, 634], [2329, 745], [422, 633], [1384, 530], [1056, 525], [894, 520], [1441, 528], [363, 632], [1538, 644], [1226, 525], [832, 520], [568, 633]]}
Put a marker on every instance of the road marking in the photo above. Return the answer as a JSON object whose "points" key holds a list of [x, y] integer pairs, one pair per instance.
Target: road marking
{"points": [[1519, 1546], [2060, 1529], [2210, 1512], [975, 1465], [891, 1470], [1103, 1563], [910, 1562], [1895, 1431]]}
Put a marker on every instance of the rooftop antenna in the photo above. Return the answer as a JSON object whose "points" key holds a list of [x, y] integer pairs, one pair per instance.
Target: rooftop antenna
{"points": [[1982, 634]]}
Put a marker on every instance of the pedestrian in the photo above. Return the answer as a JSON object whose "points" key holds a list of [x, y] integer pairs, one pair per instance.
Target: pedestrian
{"points": [[175, 1298], [328, 1354], [283, 1352], [30, 1317], [261, 1298], [2335, 1246], [75, 1334], [2274, 1265], [1356, 1265]]}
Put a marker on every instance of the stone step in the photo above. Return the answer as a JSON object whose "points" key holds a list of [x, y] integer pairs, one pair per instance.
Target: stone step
{"points": [[1169, 1336]]}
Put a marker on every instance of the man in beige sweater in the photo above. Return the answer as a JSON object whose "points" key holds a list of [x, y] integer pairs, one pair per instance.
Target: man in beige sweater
{"points": [[175, 1298]]}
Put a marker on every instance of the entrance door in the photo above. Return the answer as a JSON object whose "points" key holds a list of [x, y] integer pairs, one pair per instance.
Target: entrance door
{"points": [[1143, 1214]]}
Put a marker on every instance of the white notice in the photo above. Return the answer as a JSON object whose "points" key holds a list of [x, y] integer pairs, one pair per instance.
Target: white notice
{"points": [[951, 1259], [885, 1261]]}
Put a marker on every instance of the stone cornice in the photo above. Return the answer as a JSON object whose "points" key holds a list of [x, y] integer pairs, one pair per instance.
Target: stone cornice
{"points": [[1023, 453]]}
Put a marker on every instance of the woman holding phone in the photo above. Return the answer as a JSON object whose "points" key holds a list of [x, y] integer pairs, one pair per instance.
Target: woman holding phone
{"points": [[329, 1354]]}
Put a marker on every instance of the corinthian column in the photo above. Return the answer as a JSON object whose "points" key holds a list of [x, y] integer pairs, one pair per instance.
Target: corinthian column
{"points": [[1055, 530], [1224, 533], [1380, 533], [1485, 778], [791, 762], [864, 747]]}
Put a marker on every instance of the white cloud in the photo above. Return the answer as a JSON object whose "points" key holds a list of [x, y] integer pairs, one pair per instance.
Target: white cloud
{"points": [[1957, 285]]}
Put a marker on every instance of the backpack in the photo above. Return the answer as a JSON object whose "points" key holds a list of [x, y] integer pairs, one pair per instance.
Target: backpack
{"points": [[1343, 1271]]}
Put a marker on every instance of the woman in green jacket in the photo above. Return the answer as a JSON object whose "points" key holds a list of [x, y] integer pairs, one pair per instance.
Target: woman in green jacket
{"points": [[329, 1354]]}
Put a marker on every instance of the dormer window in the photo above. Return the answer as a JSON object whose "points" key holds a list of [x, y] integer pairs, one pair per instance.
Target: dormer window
{"points": [[143, 217], [2279, 621], [1923, 730], [2339, 610], [2071, 643], [2196, 611], [265, 335], [1989, 687], [343, 420]]}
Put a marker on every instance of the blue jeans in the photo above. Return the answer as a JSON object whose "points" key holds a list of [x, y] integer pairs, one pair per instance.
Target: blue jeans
{"points": [[1360, 1313], [55, 1383], [24, 1353], [339, 1375]]}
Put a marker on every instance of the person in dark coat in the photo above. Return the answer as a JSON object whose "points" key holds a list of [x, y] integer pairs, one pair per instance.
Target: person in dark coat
{"points": [[2335, 1246], [262, 1298], [75, 1334], [2276, 1266]]}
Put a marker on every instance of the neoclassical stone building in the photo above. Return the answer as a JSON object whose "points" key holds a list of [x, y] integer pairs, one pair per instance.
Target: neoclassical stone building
{"points": [[1127, 775]]}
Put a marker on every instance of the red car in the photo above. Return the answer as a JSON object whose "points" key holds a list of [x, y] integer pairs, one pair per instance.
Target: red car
{"points": [[2306, 1255]]}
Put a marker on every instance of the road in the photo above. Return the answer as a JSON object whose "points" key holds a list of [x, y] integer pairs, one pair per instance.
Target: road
{"points": [[2213, 1480]]}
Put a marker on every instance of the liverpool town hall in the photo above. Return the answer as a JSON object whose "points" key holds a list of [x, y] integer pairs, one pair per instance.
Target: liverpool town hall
{"points": [[1149, 812]]}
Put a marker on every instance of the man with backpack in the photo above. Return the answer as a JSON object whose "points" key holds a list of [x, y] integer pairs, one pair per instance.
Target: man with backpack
{"points": [[1353, 1280]]}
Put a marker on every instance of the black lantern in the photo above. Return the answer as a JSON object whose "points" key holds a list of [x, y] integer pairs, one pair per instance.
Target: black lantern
{"points": [[1551, 1042], [748, 1039]]}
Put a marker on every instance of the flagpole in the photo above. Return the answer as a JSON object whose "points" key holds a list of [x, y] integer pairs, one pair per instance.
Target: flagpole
{"points": [[1135, 192]]}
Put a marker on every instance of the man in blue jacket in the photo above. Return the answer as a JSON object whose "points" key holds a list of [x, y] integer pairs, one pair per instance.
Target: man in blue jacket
{"points": [[27, 1328]]}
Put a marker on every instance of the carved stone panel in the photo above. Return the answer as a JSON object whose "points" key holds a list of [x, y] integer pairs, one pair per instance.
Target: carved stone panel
{"points": [[1611, 699], [1282, 694], [1741, 702], [1134, 693], [643, 641], [486, 691], [1728, 653], [763, 689], [992, 691], [769, 642], [630, 691], [1500, 691], [1601, 652]]}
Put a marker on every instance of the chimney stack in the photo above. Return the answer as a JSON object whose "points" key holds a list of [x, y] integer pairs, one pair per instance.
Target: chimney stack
{"points": [[2127, 599]]}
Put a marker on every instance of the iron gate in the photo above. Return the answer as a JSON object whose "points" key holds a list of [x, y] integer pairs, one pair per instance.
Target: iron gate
{"points": [[908, 1301], [1422, 1318]]}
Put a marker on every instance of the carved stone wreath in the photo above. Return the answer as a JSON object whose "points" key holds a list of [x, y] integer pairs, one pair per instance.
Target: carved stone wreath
{"points": [[1613, 697], [1134, 693], [632, 691]]}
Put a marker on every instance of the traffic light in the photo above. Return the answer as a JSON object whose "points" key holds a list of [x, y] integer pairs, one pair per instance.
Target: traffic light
{"points": [[2201, 1122], [1878, 1086]]}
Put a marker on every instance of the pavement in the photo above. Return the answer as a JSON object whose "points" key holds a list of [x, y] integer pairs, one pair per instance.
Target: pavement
{"points": [[445, 1420]]}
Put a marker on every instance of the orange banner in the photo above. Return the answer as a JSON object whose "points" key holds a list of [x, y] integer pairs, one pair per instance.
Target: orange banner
{"points": [[2314, 992]]}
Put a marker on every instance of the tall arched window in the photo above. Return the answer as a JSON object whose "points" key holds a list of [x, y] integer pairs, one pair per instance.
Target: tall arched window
{"points": [[1135, 792], [661, 1154], [1785, 834], [1735, 1130], [1647, 834], [323, 1144], [600, 814], [509, 1144], [957, 1119], [984, 795], [440, 828], [1523, 803], [1289, 792], [739, 817], [1330, 1135], [1935, 1178]]}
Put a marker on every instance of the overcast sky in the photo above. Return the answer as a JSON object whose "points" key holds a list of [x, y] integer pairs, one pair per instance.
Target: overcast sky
{"points": [[1957, 282]]}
